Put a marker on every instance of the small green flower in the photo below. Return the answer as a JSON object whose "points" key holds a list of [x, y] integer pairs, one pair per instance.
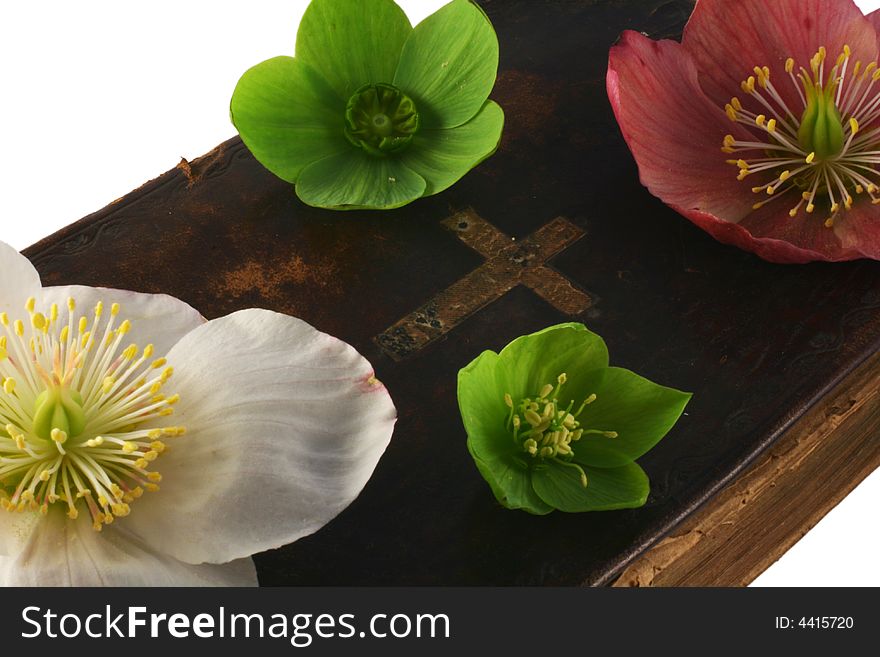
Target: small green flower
{"points": [[373, 113], [551, 426]]}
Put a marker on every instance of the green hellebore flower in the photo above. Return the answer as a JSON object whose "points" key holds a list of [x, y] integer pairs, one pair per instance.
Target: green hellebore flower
{"points": [[373, 113], [551, 426]]}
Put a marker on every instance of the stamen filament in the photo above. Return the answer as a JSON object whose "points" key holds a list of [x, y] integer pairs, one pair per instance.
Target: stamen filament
{"points": [[553, 428], [824, 151], [80, 413]]}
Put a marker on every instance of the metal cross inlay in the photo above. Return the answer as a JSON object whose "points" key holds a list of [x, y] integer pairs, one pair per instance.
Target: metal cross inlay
{"points": [[509, 263]]}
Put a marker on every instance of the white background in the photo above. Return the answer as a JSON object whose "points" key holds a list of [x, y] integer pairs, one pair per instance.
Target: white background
{"points": [[100, 96]]}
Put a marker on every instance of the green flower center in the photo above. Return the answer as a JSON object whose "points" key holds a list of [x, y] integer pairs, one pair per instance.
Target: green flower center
{"points": [[821, 130], [58, 409], [544, 429], [381, 119], [817, 145]]}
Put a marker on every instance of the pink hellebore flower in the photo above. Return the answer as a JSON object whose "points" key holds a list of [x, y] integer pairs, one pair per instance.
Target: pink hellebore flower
{"points": [[762, 126]]}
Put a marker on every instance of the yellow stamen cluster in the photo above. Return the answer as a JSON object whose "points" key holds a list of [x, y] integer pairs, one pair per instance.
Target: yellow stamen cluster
{"points": [[812, 144], [544, 430], [79, 414]]}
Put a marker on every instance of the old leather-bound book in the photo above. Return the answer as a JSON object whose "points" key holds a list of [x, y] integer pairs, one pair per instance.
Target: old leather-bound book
{"points": [[555, 227]]}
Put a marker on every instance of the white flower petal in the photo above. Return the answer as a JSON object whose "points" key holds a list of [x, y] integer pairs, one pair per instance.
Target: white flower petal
{"points": [[18, 281], [62, 552], [156, 319], [15, 529], [285, 426]]}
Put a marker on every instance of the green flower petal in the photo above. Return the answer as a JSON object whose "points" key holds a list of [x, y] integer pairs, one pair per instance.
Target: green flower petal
{"points": [[510, 480], [352, 42], [354, 180], [449, 63], [482, 408], [443, 156], [496, 455], [560, 486], [287, 116], [641, 412], [531, 361]]}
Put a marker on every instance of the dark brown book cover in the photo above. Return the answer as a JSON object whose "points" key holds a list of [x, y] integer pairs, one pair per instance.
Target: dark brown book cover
{"points": [[555, 227]]}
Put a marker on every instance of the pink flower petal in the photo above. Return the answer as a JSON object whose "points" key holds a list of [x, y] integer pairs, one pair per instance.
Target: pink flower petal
{"points": [[859, 229], [728, 39], [672, 129], [769, 248], [804, 231], [874, 19]]}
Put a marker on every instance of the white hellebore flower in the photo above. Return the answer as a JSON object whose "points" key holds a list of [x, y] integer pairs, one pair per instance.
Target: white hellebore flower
{"points": [[270, 429]]}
